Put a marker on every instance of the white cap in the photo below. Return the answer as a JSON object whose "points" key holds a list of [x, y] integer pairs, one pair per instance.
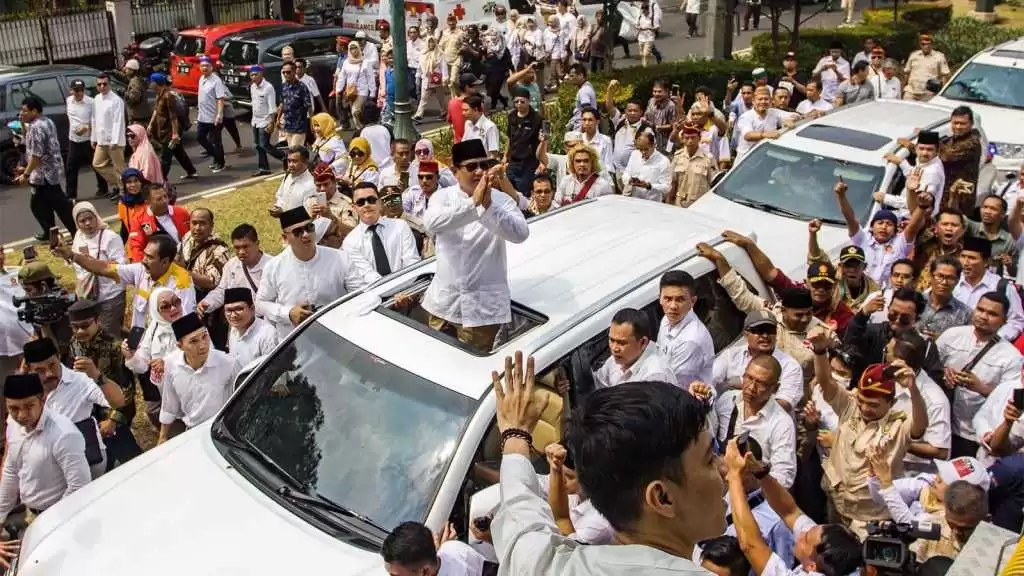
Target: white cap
{"points": [[321, 226], [361, 35], [963, 468], [132, 64], [573, 136]]}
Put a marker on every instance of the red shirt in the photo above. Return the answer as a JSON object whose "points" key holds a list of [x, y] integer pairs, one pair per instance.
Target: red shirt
{"points": [[837, 317], [455, 117]]}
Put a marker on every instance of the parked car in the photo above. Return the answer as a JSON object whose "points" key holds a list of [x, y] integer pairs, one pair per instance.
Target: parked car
{"points": [[990, 83], [51, 84], [314, 43], [365, 417], [780, 185], [209, 41]]}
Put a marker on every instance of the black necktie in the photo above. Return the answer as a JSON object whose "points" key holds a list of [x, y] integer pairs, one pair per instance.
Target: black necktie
{"points": [[380, 256]]}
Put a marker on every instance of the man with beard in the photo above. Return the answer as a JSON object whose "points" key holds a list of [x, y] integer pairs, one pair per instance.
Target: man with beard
{"points": [[75, 394], [977, 362], [1004, 247], [978, 280], [882, 245], [758, 123], [944, 239]]}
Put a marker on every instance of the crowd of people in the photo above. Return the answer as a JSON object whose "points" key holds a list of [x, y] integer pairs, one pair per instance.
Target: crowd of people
{"points": [[882, 387]]}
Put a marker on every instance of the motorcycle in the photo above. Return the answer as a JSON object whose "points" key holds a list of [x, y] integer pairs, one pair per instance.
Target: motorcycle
{"points": [[153, 53]]}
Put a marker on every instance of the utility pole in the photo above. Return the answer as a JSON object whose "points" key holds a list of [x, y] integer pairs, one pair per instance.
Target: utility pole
{"points": [[403, 127]]}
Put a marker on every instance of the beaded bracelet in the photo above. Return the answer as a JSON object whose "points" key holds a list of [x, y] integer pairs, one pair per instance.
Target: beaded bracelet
{"points": [[515, 433]]}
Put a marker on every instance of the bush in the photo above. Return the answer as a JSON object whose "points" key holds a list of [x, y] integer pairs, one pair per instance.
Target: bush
{"points": [[898, 41], [926, 17], [964, 37]]}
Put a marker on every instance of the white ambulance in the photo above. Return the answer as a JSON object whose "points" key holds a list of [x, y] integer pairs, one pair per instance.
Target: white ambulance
{"points": [[366, 14]]}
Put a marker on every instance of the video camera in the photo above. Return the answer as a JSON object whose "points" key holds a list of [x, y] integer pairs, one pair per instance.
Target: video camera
{"points": [[48, 308], [887, 545]]}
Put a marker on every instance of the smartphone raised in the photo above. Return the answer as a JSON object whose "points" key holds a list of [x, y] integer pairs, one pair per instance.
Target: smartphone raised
{"points": [[1018, 398], [135, 337], [676, 91], [890, 371], [54, 237], [28, 253], [742, 439], [545, 127]]}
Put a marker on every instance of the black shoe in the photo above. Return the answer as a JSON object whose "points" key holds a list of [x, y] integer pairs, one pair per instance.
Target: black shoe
{"points": [[42, 237], [261, 172]]}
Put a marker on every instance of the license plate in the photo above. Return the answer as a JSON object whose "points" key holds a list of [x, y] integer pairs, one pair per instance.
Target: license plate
{"points": [[184, 69]]}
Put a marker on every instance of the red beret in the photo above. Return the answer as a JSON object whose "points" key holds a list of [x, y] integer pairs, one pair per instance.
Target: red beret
{"points": [[323, 173], [874, 384], [428, 166], [691, 129]]}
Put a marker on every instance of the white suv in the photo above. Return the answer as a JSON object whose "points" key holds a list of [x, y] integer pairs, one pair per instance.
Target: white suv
{"points": [[992, 84], [365, 418], [780, 185]]}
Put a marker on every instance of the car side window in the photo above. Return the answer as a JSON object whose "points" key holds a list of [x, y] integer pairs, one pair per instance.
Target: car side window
{"points": [[321, 46], [48, 90], [88, 79], [302, 47]]}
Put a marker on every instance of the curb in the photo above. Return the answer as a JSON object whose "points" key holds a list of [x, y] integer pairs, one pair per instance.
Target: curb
{"points": [[211, 193]]}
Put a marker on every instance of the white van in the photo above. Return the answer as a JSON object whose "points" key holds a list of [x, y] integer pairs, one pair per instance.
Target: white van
{"points": [[364, 417]]}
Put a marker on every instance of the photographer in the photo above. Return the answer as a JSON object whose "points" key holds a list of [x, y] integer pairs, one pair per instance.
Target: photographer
{"points": [[956, 498], [830, 549], [45, 305]]}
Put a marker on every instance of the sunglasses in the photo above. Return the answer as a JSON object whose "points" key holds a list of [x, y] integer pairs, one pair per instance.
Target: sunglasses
{"points": [[422, 152], [307, 228], [763, 330], [475, 165], [356, 154], [427, 175], [101, 83], [371, 200]]}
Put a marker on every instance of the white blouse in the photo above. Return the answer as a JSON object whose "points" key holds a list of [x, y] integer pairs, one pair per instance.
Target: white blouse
{"points": [[104, 245]]}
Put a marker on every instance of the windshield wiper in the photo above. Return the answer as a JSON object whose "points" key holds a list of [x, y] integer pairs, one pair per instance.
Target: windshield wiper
{"points": [[304, 500], [222, 435], [766, 207]]}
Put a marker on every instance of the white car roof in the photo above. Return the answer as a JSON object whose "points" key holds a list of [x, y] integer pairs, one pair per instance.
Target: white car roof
{"points": [[890, 119], [1008, 54], [576, 260]]}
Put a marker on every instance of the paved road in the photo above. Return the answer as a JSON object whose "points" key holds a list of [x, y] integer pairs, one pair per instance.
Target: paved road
{"points": [[16, 222]]}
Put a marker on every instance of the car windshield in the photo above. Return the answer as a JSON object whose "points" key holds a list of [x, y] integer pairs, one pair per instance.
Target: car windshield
{"points": [[988, 84], [240, 53], [799, 183], [351, 427]]}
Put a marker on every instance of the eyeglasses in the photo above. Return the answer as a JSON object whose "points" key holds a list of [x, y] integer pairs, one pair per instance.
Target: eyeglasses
{"points": [[371, 200], [475, 165], [234, 311], [422, 152], [307, 228], [167, 305]]}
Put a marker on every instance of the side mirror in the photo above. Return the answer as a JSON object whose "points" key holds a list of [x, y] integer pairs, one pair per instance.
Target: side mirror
{"points": [[933, 85]]}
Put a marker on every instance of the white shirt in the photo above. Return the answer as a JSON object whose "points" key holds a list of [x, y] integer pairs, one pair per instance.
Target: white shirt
{"points": [[689, 348], [43, 465], [470, 286], [359, 75], [526, 537], [806, 106], [380, 144], [79, 114], [933, 181], [883, 314], [294, 191], [881, 256], [170, 227], [939, 431], [651, 366], [569, 187], [195, 396], [656, 170], [732, 363], [604, 147], [1000, 365], [137, 276], [771, 426], [104, 245], [233, 275], [327, 276], [459, 559], [13, 333], [264, 103], [414, 201], [399, 243], [483, 129], [314, 90], [776, 566], [554, 43], [692, 7], [885, 88], [751, 121], [624, 141], [585, 96], [414, 52], [970, 295], [645, 29], [211, 89], [75, 397], [108, 120], [259, 339], [829, 79]]}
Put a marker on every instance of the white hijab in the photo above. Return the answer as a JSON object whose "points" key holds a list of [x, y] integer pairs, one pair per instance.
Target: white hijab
{"points": [[159, 333]]}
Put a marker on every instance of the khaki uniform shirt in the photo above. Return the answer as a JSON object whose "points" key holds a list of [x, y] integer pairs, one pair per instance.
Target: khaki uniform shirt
{"points": [[789, 341], [920, 68], [847, 470], [449, 44], [692, 175], [947, 544]]}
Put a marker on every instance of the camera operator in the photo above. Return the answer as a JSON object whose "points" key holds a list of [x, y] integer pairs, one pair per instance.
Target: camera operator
{"points": [[13, 332], [866, 418], [45, 305], [956, 498], [830, 549]]}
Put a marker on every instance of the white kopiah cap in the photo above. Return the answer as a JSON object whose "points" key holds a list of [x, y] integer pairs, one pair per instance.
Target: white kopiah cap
{"points": [[963, 468]]}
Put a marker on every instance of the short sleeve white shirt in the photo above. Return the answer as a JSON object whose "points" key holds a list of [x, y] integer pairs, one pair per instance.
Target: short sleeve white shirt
{"points": [[751, 121], [881, 256], [689, 348], [772, 427], [195, 396], [651, 366]]}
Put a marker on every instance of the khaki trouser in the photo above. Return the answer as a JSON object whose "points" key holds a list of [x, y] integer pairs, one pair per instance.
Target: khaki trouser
{"points": [[293, 138], [435, 92], [356, 108], [479, 337], [453, 77], [109, 162]]}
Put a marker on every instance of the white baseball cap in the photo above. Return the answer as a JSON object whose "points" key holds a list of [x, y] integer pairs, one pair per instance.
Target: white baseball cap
{"points": [[963, 468], [360, 35], [572, 136], [132, 64]]}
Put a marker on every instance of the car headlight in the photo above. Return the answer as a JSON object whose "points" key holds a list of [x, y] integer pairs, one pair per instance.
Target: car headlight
{"points": [[1010, 151]]}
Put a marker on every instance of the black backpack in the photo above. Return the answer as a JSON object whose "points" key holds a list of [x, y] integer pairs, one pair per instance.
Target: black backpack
{"points": [[181, 109]]}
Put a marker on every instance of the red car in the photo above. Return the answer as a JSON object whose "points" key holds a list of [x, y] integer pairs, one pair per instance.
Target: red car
{"points": [[208, 40]]}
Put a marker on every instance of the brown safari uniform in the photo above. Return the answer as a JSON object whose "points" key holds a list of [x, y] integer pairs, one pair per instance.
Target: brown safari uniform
{"points": [[692, 175]]}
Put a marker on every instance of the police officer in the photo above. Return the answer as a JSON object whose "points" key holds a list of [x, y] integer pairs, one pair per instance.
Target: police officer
{"points": [[93, 351]]}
